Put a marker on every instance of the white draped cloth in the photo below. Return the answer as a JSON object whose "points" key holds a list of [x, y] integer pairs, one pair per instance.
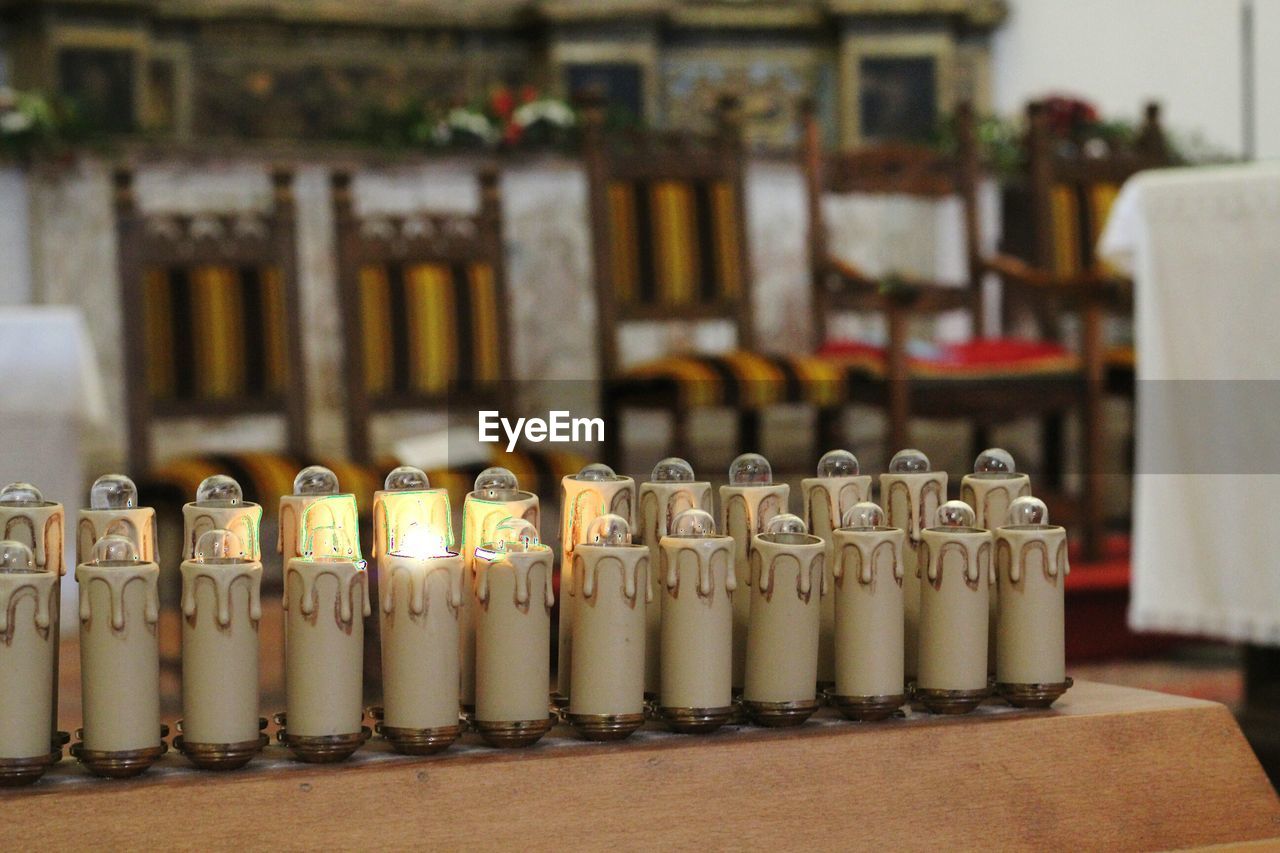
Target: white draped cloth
{"points": [[1203, 247]]}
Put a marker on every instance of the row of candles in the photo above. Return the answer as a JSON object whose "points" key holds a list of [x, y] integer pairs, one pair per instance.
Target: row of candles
{"points": [[678, 617]]}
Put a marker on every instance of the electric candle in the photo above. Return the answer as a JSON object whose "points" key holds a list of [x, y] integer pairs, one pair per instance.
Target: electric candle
{"points": [[113, 509], [869, 623], [787, 583], [955, 558], [594, 491], [221, 609], [326, 591], [421, 599], [698, 580], [911, 494], [495, 497], [827, 497], [746, 505], [26, 517], [672, 488], [119, 660], [513, 636], [312, 483], [1031, 569], [220, 505], [28, 622], [611, 585]]}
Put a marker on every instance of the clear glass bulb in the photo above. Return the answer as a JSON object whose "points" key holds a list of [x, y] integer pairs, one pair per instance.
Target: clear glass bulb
{"points": [[493, 481], [596, 472], [673, 469], [406, 478], [219, 490], [786, 523], [955, 514], [693, 522], [994, 462], [328, 542], [16, 558], [750, 469], [1028, 511], [115, 550], [838, 463], [864, 516], [609, 530], [909, 461], [315, 480], [220, 546], [113, 491], [20, 494], [516, 535]]}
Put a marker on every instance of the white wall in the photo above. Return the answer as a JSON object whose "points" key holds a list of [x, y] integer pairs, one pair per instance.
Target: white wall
{"points": [[1120, 53]]}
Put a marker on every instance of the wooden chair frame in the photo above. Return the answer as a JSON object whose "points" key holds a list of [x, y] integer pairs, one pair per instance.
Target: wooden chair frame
{"points": [[164, 240]]}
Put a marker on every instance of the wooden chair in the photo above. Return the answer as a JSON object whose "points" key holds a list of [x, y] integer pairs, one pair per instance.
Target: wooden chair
{"points": [[984, 380], [668, 223]]}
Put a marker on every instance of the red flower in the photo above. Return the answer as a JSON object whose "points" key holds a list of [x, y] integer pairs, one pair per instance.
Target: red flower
{"points": [[502, 103], [1068, 116], [528, 94], [511, 133]]}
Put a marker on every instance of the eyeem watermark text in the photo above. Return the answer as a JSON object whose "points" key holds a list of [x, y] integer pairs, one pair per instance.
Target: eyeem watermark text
{"points": [[558, 427]]}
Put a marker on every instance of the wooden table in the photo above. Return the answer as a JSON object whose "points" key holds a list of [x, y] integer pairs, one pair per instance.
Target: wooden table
{"points": [[1109, 767]]}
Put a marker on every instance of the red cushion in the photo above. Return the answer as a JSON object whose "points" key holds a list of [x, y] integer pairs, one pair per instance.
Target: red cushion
{"points": [[977, 358]]}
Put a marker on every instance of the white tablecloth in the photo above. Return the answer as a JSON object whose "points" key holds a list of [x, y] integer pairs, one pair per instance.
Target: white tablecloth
{"points": [[1203, 246]]}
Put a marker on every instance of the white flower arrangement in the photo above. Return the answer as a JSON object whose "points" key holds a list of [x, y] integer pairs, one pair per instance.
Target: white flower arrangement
{"points": [[554, 112], [461, 120]]}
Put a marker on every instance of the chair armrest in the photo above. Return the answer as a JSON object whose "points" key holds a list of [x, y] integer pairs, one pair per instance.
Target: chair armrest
{"points": [[1076, 291], [861, 292]]}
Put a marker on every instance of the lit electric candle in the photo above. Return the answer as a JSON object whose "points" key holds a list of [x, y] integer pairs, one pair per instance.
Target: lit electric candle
{"points": [[495, 498], [672, 488], [513, 596], [326, 593], [698, 580], [421, 599], [990, 489], [611, 585], [746, 505], [26, 517], [955, 561], [787, 583], [1031, 570], [592, 492], [911, 494], [827, 497], [119, 660], [869, 625], [220, 505], [113, 510], [27, 624], [312, 483], [221, 608]]}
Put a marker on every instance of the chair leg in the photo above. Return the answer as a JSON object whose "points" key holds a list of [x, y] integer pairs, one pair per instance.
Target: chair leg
{"points": [[829, 432], [749, 432], [1092, 488], [680, 444], [1052, 438], [612, 411], [979, 440]]}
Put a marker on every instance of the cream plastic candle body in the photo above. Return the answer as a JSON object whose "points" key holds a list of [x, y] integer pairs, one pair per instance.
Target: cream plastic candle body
{"points": [[583, 502], [782, 648], [1031, 567], [611, 587], [826, 500], [221, 609], [698, 581], [744, 512], [421, 603], [910, 502], [660, 503], [244, 520], [480, 519], [990, 497], [513, 597], [137, 524], [120, 662], [27, 629], [955, 564], [870, 679], [324, 601]]}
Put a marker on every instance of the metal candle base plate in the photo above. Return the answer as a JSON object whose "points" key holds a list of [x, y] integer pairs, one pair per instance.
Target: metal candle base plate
{"points": [[408, 741], [122, 763], [605, 726], [697, 721], [867, 709], [1033, 695], [511, 734], [221, 756], [15, 772], [321, 749], [949, 702], [780, 714]]}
